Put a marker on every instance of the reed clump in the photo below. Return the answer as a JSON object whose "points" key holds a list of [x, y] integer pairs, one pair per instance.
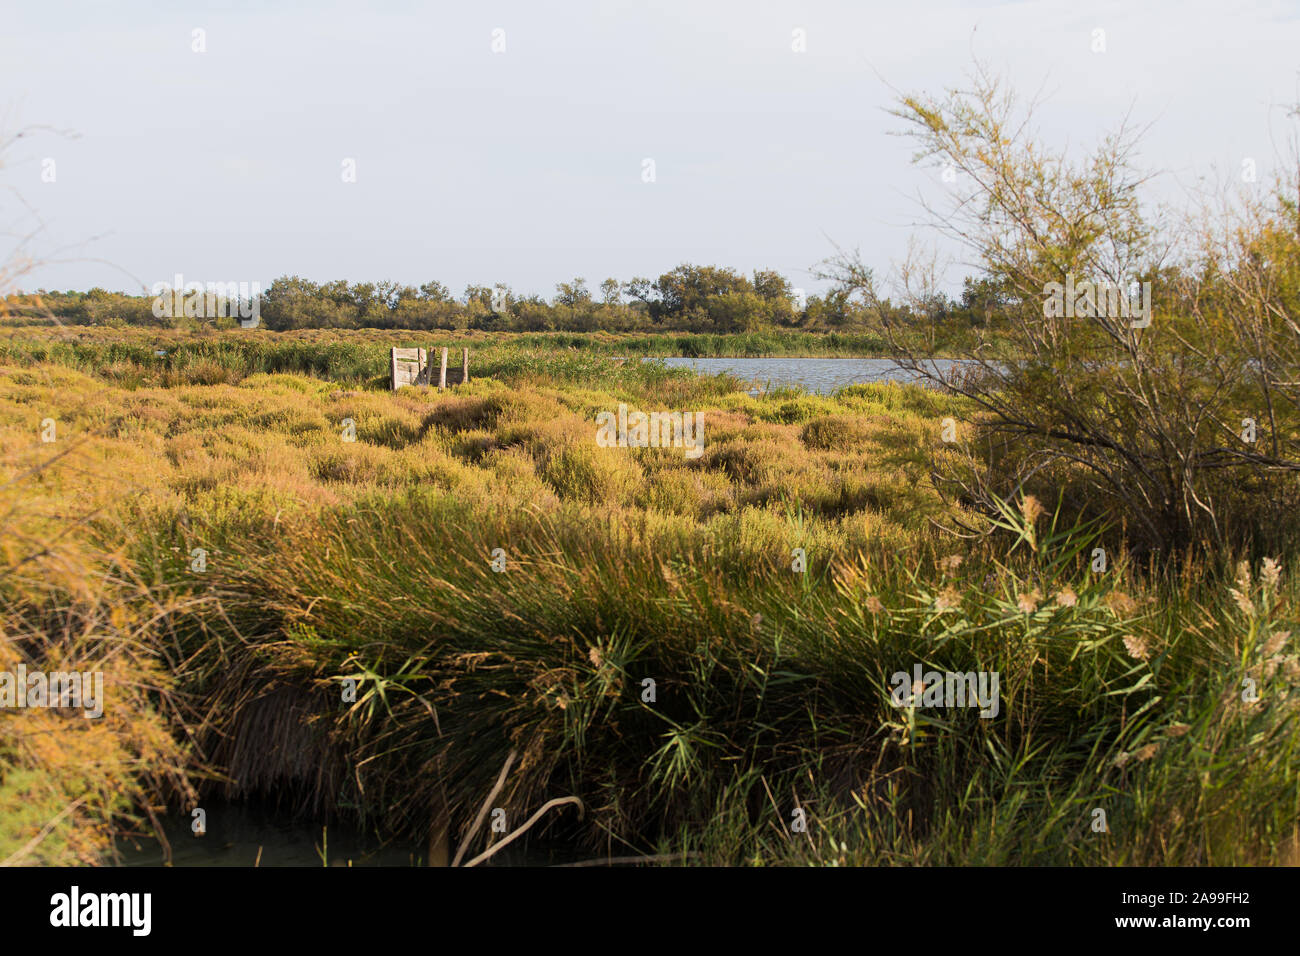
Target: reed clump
{"points": [[380, 622]]}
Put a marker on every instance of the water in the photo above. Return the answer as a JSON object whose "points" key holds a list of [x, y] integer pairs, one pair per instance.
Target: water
{"points": [[247, 835], [252, 834], [820, 375]]}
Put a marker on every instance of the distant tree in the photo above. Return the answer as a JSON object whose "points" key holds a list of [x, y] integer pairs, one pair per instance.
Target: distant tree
{"points": [[735, 311], [611, 292], [478, 295], [435, 291], [363, 294], [289, 303], [640, 289], [533, 314], [772, 285], [337, 292], [687, 289], [981, 300], [572, 294], [388, 293]]}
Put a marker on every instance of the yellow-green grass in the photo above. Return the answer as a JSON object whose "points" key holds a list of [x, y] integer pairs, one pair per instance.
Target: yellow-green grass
{"points": [[371, 559]]}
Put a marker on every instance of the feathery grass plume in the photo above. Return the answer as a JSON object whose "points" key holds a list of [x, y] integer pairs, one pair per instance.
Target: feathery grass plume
{"points": [[1241, 593], [1242, 600], [947, 599], [1028, 602], [951, 563], [1032, 509], [1136, 647]]}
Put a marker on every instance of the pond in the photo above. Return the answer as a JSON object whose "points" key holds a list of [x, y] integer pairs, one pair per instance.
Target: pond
{"points": [[257, 834], [820, 375], [240, 834]]}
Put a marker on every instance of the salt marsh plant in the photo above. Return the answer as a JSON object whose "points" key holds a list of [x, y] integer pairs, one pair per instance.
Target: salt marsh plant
{"points": [[373, 562]]}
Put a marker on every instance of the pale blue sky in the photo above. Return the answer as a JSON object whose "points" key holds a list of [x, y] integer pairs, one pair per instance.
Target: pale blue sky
{"points": [[524, 167]]}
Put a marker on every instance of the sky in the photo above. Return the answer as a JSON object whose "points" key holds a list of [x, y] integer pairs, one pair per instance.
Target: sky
{"points": [[507, 142]]}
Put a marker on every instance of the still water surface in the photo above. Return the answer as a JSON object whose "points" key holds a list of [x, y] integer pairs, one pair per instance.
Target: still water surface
{"points": [[246, 835], [820, 375], [252, 834]]}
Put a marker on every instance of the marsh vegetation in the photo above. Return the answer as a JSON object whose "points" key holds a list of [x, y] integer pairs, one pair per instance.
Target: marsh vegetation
{"points": [[768, 587]]}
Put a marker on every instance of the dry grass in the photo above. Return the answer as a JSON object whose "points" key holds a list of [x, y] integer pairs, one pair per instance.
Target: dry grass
{"points": [[370, 559]]}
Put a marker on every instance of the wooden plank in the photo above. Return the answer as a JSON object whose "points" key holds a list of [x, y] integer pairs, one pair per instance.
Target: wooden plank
{"points": [[464, 371], [442, 378], [405, 366]]}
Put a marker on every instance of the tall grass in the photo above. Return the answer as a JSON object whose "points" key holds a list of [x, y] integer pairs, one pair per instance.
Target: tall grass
{"points": [[771, 691], [371, 561]]}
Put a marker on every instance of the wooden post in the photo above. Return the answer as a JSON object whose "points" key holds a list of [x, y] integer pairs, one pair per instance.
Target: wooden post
{"points": [[464, 370], [442, 376], [392, 371]]}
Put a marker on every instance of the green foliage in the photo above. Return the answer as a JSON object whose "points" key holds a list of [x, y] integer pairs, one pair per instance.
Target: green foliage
{"points": [[689, 298], [1179, 420], [372, 561]]}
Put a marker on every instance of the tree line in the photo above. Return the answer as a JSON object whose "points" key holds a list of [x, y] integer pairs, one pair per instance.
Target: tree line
{"points": [[688, 298]]}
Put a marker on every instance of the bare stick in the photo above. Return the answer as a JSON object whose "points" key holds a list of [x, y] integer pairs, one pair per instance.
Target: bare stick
{"points": [[483, 810], [557, 802]]}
